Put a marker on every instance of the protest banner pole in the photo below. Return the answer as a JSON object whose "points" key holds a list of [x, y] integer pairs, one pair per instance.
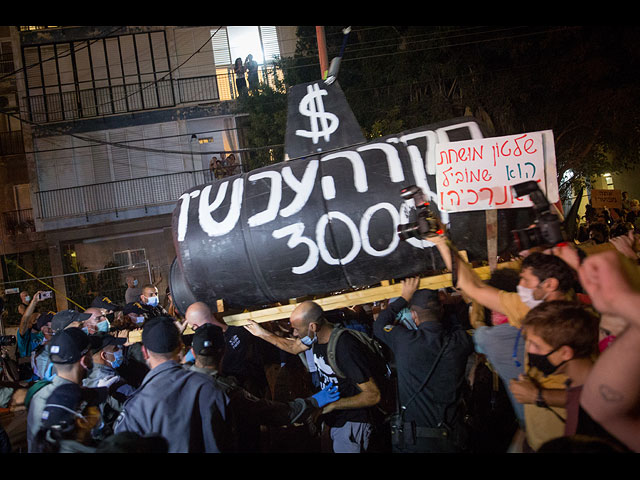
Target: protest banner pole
{"points": [[322, 52], [492, 238]]}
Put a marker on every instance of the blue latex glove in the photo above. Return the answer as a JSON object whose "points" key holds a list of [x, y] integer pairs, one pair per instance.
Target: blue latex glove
{"points": [[327, 395]]}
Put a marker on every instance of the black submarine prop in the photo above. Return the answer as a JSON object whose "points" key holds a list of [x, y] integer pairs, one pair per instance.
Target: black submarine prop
{"points": [[333, 216]]}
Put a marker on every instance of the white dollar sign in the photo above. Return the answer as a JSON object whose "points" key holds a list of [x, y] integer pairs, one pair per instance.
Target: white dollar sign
{"points": [[312, 106]]}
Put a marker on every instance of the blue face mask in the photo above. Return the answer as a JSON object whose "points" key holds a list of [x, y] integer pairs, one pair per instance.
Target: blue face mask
{"points": [[405, 318], [139, 320], [117, 359], [152, 301], [308, 341], [135, 283], [85, 330], [103, 326]]}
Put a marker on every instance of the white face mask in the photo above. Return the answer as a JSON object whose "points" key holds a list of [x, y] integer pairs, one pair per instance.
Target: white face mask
{"points": [[526, 295]]}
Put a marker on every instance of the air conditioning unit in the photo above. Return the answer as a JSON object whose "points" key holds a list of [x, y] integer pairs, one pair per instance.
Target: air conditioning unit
{"points": [[8, 101]]}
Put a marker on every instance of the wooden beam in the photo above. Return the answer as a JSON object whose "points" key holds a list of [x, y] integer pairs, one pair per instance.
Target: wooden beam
{"points": [[348, 299]]}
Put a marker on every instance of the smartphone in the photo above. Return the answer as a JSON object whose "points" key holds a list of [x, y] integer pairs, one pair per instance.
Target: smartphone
{"points": [[44, 295]]}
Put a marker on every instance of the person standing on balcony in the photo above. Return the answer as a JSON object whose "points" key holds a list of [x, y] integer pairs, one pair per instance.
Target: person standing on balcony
{"points": [[241, 83], [252, 68]]}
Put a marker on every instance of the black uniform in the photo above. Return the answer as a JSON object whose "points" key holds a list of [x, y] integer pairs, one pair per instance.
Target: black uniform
{"points": [[433, 418]]}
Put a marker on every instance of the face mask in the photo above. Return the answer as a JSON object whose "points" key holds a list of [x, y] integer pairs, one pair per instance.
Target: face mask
{"points": [[103, 326], [117, 359], [135, 283], [27, 299], [85, 330], [405, 318], [308, 341], [139, 320], [152, 301], [526, 295], [542, 363]]}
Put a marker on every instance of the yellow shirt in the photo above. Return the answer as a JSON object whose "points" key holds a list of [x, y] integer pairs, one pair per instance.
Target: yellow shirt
{"points": [[541, 424]]}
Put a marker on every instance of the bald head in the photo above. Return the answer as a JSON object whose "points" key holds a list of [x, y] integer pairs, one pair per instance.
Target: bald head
{"points": [[308, 312], [198, 314]]}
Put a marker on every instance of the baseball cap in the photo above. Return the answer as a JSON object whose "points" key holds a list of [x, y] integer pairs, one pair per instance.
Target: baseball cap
{"points": [[133, 307], [106, 303], [207, 339], [67, 402], [62, 319], [160, 335], [102, 340], [69, 345], [43, 319], [425, 299]]}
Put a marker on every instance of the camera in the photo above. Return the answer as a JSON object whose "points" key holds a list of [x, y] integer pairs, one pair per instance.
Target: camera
{"points": [[6, 340], [45, 295], [426, 224], [547, 229]]}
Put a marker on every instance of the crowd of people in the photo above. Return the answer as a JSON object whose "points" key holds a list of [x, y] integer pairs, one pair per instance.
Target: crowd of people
{"points": [[599, 225], [544, 356]]}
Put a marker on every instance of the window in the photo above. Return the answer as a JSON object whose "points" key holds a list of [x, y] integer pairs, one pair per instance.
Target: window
{"points": [[6, 58], [608, 180], [129, 257], [234, 42]]}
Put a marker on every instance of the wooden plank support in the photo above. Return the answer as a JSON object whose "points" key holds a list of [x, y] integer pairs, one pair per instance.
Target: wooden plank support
{"points": [[348, 299]]}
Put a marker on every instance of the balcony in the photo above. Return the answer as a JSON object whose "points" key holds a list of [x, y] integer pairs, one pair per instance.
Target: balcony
{"points": [[18, 222], [73, 102], [119, 200]]}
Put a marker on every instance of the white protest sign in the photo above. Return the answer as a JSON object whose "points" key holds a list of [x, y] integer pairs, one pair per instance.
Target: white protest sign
{"points": [[478, 174]]}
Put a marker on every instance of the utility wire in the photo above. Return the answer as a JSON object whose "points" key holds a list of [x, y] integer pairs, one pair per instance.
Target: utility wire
{"points": [[351, 58]]}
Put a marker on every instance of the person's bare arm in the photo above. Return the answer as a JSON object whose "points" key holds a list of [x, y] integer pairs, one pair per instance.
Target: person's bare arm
{"points": [[611, 393], [368, 397], [291, 345], [468, 281]]}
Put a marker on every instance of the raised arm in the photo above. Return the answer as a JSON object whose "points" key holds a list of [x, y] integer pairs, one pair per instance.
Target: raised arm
{"points": [[25, 321], [611, 393], [468, 281], [291, 345]]}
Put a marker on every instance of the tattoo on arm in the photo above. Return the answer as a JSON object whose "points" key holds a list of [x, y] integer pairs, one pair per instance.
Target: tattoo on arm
{"points": [[609, 394]]}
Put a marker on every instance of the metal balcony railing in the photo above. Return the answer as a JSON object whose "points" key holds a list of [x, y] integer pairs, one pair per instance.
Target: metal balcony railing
{"points": [[74, 102], [16, 222], [112, 197]]}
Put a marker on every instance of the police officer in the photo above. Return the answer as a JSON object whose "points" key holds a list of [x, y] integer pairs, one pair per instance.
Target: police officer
{"points": [[250, 412], [430, 361], [187, 408]]}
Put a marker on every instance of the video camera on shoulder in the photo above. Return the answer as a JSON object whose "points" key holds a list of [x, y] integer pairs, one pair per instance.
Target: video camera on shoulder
{"points": [[547, 229], [426, 224]]}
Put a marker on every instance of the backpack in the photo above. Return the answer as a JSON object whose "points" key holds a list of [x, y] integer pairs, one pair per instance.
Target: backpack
{"points": [[382, 371], [33, 389]]}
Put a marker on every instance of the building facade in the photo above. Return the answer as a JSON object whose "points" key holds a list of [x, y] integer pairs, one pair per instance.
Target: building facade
{"points": [[116, 122]]}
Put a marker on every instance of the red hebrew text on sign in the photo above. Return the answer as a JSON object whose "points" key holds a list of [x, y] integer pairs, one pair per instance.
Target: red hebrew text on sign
{"points": [[478, 174]]}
